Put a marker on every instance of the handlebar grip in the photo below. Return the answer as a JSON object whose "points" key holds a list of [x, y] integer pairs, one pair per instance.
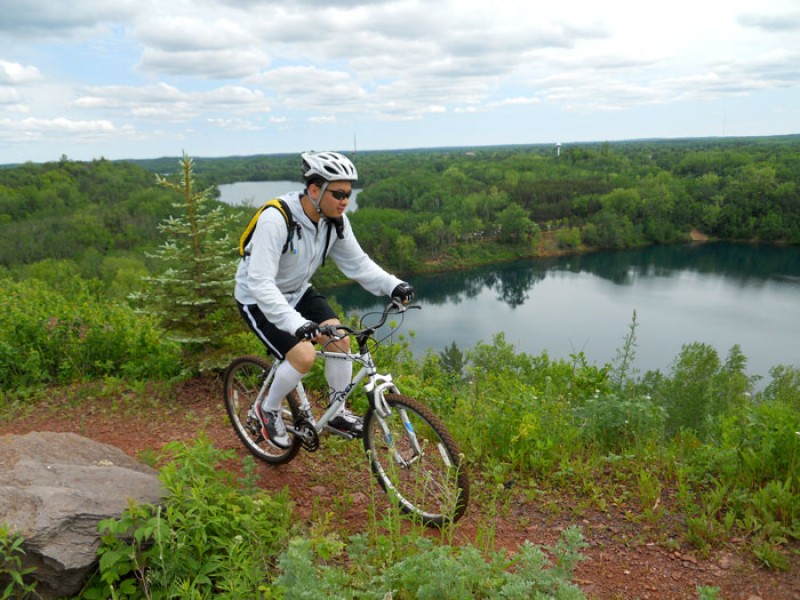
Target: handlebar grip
{"points": [[331, 331]]}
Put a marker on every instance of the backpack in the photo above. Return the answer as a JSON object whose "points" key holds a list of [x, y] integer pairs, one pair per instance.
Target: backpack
{"points": [[291, 226]]}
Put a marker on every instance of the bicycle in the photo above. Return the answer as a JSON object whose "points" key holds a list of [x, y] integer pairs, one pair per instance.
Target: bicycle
{"points": [[410, 451]]}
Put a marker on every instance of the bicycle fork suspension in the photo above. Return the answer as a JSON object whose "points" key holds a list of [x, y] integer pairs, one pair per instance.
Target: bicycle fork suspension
{"points": [[408, 428], [375, 390]]}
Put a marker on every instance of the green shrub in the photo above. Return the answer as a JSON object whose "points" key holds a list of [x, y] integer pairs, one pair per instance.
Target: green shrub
{"points": [[524, 405], [568, 238], [784, 386], [611, 423], [434, 572], [13, 578], [425, 570], [700, 388], [211, 538], [49, 337]]}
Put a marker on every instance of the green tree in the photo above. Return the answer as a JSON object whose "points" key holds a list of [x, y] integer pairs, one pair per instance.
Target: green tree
{"points": [[431, 234], [453, 360], [701, 388], [192, 295], [515, 226]]}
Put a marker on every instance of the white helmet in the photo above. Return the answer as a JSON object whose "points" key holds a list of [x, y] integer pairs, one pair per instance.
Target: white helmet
{"points": [[330, 166]]}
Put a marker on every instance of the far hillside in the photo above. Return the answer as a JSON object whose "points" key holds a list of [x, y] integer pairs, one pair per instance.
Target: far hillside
{"points": [[447, 207]]}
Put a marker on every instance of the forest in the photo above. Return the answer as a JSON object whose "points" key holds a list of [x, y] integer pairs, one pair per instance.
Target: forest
{"points": [[116, 275], [445, 207]]}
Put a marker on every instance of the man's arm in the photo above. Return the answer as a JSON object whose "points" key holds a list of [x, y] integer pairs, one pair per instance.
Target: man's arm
{"points": [[358, 266], [265, 255]]}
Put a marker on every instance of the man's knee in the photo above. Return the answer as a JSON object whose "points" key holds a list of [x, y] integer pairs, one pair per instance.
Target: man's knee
{"points": [[302, 356]]}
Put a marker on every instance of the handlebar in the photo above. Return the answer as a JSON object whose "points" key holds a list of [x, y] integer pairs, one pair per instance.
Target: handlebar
{"points": [[395, 307]]}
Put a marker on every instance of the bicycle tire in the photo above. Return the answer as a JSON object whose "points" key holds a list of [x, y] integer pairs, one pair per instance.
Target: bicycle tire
{"points": [[432, 486], [243, 380]]}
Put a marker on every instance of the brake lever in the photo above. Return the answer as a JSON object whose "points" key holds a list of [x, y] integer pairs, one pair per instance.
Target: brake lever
{"points": [[332, 331]]}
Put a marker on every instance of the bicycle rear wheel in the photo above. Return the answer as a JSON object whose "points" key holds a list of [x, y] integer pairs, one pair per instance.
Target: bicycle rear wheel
{"points": [[416, 461], [243, 380]]}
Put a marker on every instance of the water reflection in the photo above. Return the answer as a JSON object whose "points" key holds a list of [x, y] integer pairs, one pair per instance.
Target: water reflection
{"points": [[746, 264], [720, 294], [741, 264], [511, 284]]}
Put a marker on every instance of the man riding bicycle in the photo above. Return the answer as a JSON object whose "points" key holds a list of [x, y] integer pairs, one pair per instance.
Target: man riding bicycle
{"points": [[274, 293]]}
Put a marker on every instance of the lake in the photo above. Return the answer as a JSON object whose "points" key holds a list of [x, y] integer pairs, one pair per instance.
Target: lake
{"points": [[720, 294], [255, 193], [717, 293]]}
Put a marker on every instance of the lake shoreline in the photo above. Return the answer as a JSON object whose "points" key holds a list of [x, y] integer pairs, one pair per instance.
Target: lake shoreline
{"points": [[716, 294], [545, 249]]}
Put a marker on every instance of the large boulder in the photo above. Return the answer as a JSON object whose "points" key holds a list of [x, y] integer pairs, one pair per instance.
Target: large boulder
{"points": [[54, 490]]}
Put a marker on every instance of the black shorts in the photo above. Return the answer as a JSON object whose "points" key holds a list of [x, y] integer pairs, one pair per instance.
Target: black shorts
{"points": [[313, 306]]}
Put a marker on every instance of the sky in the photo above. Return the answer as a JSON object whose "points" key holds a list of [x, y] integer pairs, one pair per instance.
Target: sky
{"points": [[117, 79]]}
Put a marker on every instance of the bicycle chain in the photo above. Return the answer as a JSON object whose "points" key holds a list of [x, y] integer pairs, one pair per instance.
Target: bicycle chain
{"points": [[309, 438]]}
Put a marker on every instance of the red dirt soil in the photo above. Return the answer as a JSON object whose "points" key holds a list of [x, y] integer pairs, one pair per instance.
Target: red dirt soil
{"points": [[624, 559]]}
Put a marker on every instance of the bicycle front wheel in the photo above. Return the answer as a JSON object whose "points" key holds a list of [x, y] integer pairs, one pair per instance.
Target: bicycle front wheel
{"points": [[243, 380], [416, 461]]}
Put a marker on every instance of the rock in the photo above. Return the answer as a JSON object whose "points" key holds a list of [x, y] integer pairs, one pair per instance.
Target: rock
{"points": [[360, 499], [54, 490], [319, 490]]}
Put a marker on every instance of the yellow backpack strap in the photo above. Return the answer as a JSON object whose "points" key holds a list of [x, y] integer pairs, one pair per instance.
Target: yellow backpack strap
{"points": [[251, 226]]}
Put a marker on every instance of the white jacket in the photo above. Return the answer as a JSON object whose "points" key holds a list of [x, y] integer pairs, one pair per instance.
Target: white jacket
{"points": [[276, 281]]}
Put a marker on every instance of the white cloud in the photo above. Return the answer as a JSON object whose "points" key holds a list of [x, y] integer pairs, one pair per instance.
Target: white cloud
{"points": [[519, 101], [235, 124], [56, 19], [199, 46], [170, 69], [9, 96], [14, 73], [231, 63], [774, 23], [166, 102], [37, 129]]}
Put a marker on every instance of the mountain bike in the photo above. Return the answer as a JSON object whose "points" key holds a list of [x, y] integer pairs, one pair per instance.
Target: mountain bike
{"points": [[410, 451]]}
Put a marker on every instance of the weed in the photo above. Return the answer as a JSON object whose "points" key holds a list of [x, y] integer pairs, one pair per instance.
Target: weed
{"points": [[708, 593], [208, 535], [649, 494], [770, 556], [12, 575]]}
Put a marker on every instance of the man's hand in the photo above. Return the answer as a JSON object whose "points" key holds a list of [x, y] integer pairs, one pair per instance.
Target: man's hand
{"points": [[404, 292], [307, 331]]}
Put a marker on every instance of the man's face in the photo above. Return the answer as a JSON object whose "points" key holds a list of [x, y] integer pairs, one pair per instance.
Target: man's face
{"points": [[336, 199]]}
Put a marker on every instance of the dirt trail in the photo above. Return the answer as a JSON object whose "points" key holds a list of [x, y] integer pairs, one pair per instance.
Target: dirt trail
{"points": [[624, 560]]}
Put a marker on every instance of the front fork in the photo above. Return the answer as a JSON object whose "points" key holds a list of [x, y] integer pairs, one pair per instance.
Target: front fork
{"points": [[375, 393], [375, 388]]}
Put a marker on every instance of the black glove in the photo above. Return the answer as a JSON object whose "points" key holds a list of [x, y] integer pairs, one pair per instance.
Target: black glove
{"points": [[404, 292], [307, 331]]}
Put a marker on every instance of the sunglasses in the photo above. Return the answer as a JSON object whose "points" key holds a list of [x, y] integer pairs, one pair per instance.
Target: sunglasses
{"points": [[340, 194]]}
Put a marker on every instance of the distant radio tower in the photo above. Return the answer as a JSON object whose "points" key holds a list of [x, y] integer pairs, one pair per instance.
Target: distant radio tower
{"points": [[355, 149]]}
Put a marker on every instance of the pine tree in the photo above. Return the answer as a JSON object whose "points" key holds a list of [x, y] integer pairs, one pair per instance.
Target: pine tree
{"points": [[193, 294], [452, 360]]}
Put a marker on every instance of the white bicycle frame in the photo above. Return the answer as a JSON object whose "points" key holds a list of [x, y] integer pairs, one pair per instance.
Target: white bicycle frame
{"points": [[376, 385]]}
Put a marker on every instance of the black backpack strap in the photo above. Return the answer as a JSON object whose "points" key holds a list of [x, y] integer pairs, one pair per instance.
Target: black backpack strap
{"points": [[337, 224]]}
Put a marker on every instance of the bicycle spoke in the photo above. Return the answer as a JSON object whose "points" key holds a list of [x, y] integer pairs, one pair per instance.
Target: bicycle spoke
{"points": [[417, 462], [243, 381]]}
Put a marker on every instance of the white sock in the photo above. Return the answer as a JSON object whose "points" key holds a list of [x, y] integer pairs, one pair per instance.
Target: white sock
{"points": [[339, 373], [285, 380]]}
